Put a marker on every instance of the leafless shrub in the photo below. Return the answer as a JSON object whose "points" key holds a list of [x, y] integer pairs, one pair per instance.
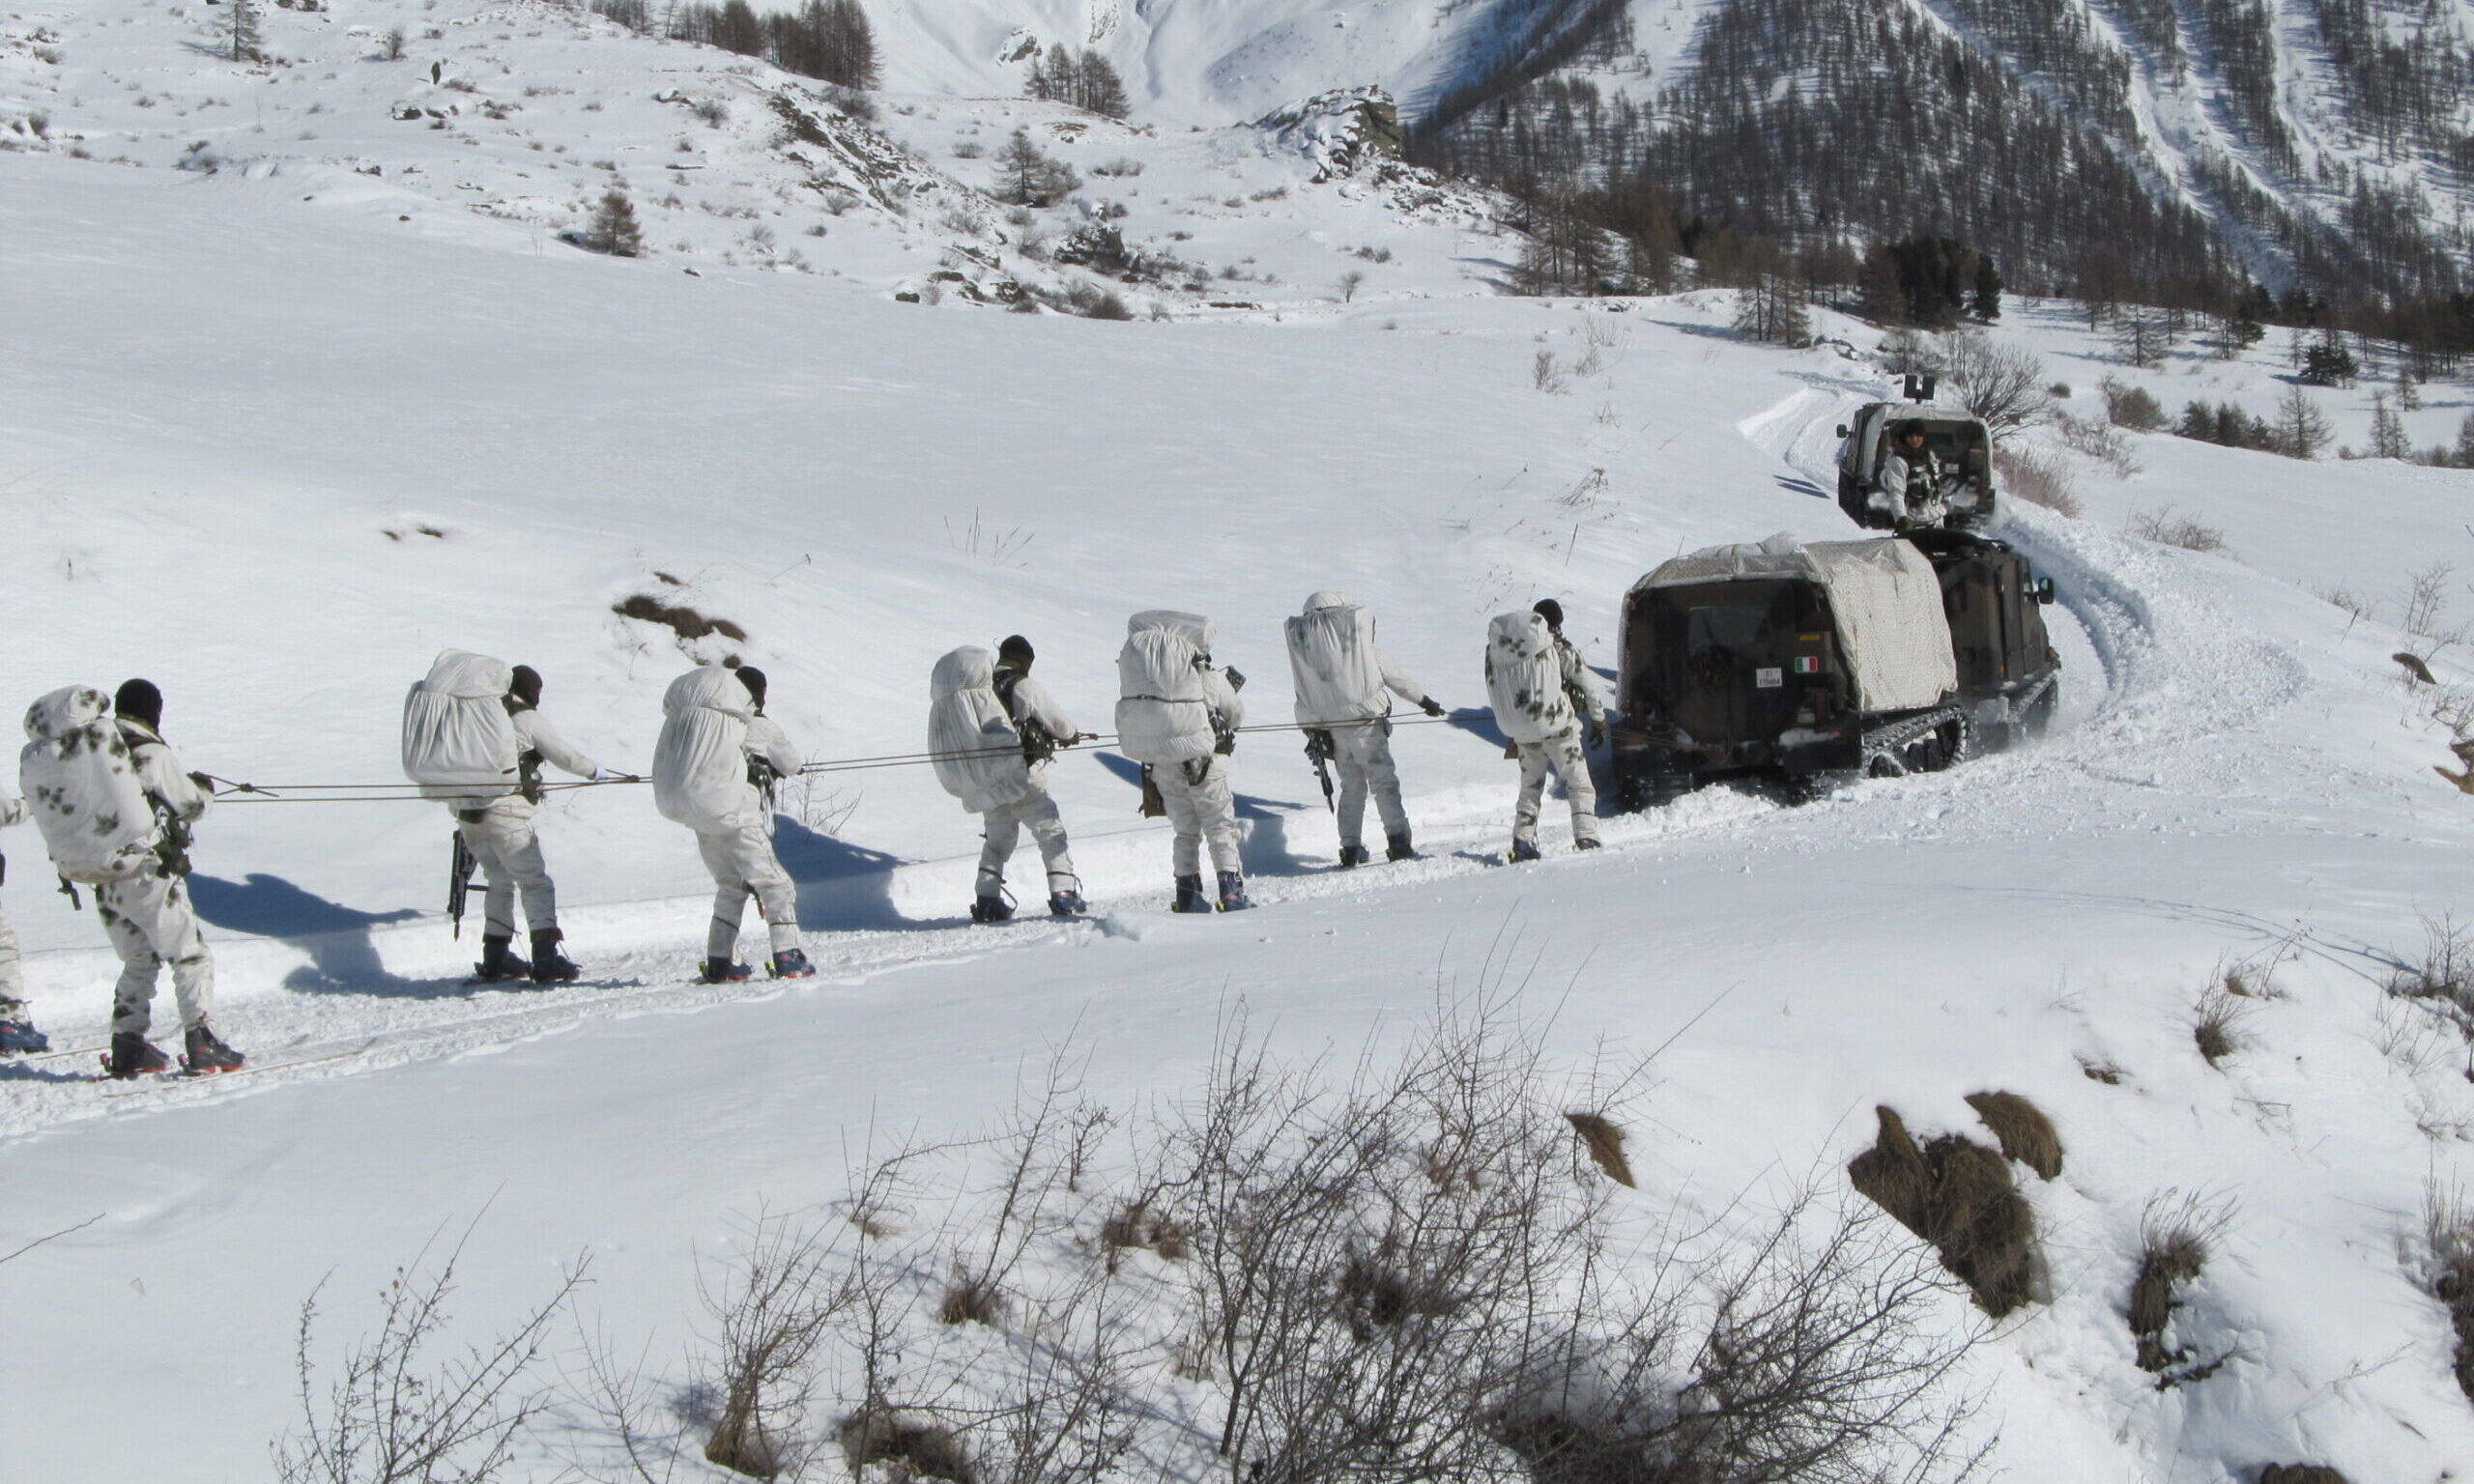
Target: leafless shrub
{"points": [[976, 538], [1349, 283], [2425, 610], [391, 44], [1547, 376], [2036, 478], [2355, 607], [2131, 407], [2022, 1130], [2178, 1233], [2440, 976], [2163, 527], [774, 1307], [2099, 441], [2217, 1019], [390, 1413], [1998, 381], [2448, 1230]]}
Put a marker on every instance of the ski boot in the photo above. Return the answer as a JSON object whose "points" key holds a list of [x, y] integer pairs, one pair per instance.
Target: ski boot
{"points": [[549, 965], [1523, 850], [1189, 897], [991, 909], [1353, 856], [725, 971], [792, 963], [497, 963], [1232, 892], [203, 1052], [1588, 842], [1399, 848], [17, 1031], [133, 1055], [1067, 903]]}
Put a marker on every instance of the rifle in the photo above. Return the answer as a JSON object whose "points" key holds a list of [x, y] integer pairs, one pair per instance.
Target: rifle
{"points": [[1318, 752], [459, 881]]}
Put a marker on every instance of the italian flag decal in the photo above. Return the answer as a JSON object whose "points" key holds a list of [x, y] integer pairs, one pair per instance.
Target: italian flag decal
{"points": [[1808, 664]]}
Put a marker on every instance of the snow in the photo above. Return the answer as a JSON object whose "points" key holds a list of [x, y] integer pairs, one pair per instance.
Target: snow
{"points": [[241, 411]]}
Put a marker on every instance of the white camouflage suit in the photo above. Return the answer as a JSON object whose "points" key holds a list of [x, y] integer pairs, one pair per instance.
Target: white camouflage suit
{"points": [[1912, 493], [1026, 699], [13, 982], [500, 836], [1562, 753], [1201, 804], [149, 919], [743, 862], [1362, 748]]}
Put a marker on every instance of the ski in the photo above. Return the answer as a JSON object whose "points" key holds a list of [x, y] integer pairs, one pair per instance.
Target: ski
{"points": [[180, 1073]]}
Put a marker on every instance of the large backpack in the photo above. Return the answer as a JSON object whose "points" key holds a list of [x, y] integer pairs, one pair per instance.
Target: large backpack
{"points": [[1525, 679], [700, 763], [1330, 656], [1164, 710], [81, 785], [977, 751], [459, 741]]}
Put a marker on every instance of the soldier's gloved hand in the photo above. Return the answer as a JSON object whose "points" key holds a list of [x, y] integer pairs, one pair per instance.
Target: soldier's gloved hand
{"points": [[1082, 737], [1430, 707], [204, 785]]}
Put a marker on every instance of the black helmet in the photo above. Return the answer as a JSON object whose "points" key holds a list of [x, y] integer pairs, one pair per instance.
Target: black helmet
{"points": [[140, 702], [1552, 612], [1015, 650]]}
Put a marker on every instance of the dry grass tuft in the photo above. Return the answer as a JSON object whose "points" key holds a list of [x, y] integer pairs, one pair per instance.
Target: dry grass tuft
{"points": [[878, 1434], [1605, 1145], [2217, 1023], [2449, 1229], [2102, 1072], [678, 618], [1958, 1195], [2022, 1130], [970, 1299], [2301, 1474], [2177, 1235]]}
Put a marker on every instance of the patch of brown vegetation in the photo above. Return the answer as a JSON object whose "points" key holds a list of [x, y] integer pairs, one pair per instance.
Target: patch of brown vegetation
{"points": [[1605, 1145], [2301, 1474], [877, 1434], [678, 618], [1958, 1195], [2022, 1130]]}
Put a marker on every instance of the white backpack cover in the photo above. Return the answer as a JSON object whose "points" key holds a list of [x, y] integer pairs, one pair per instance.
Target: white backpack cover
{"points": [[459, 742], [1164, 710], [81, 785], [700, 763], [1330, 656], [1524, 680], [978, 753]]}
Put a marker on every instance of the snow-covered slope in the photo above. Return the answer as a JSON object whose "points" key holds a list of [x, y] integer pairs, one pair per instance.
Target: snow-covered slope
{"points": [[279, 430]]}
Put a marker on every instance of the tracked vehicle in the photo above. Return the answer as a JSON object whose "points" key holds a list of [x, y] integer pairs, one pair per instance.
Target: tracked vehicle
{"points": [[1959, 442], [1806, 663], [2009, 673]]}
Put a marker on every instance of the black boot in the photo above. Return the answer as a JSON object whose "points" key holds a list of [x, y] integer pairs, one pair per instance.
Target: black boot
{"points": [[1189, 897], [991, 909], [1352, 856], [497, 963], [133, 1056], [1399, 848], [204, 1052], [1232, 892], [549, 965]]}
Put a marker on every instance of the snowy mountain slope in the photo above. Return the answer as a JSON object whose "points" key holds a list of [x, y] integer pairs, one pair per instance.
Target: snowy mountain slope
{"points": [[246, 412]]}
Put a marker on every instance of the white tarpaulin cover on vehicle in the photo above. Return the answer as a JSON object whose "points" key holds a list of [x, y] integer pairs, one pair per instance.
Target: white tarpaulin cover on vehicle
{"points": [[1883, 598]]}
